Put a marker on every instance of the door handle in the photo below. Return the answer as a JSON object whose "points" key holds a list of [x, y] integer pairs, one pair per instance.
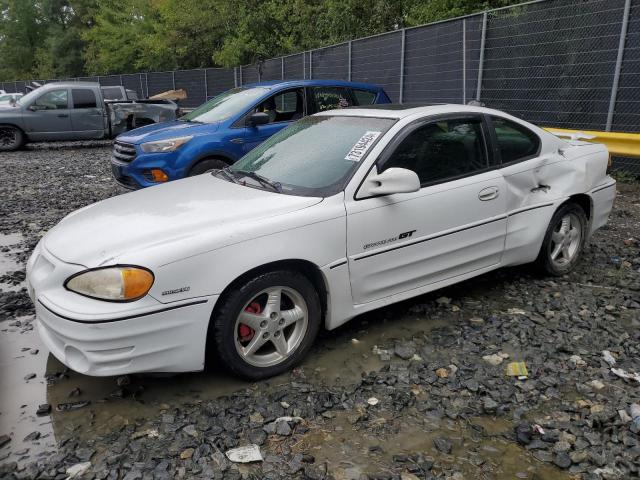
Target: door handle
{"points": [[237, 140], [488, 193], [63, 115]]}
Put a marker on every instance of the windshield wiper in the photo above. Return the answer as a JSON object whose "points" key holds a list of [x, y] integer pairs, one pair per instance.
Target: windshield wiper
{"points": [[275, 186], [225, 172]]}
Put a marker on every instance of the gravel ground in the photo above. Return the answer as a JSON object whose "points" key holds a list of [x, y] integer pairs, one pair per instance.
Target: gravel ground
{"points": [[416, 390]]}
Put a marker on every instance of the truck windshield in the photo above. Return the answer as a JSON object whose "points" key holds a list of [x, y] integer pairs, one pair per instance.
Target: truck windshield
{"points": [[225, 105], [315, 156]]}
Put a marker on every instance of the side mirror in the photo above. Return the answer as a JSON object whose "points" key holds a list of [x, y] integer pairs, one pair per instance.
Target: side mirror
{"points": [[258, 118], [392, 180]]}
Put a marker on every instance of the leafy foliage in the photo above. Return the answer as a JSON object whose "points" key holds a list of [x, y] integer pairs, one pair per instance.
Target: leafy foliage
{"points": [[66, 38]]}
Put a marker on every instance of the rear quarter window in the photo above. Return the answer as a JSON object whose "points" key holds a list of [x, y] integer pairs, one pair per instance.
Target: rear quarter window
{"points": [[364, 97], [515, 142], [83, 98]]}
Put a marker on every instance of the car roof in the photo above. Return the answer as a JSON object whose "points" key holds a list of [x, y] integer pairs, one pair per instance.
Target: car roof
{"points": [[69, 84], [313, 83], [399, 111]]}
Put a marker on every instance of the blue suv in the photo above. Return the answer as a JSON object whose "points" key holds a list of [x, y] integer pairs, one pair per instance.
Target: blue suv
{"points": [[219, 132]]}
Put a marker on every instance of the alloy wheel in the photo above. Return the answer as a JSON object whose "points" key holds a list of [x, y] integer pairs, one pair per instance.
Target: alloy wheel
{"points": [[565, 240], [271, 326]]}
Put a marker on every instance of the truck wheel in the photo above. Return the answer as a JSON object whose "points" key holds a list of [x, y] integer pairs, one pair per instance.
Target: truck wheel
{"points": [[207, 165], [11, 138], [564, 241], [267, 325]]}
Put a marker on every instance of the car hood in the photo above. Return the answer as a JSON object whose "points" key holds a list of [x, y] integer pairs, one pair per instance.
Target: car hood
{"points": [[223, 211], [161, 131]]}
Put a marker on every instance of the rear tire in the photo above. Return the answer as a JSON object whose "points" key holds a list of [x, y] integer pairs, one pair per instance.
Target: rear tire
{"points": [[207, 165], [11, 138], [267, 325], [564, 240]]}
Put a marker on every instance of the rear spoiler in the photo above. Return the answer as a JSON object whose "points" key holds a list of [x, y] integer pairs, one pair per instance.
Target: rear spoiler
{"points": [[571, 135]]}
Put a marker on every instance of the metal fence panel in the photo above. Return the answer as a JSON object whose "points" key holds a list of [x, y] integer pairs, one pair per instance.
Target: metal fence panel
{"points": [[433, 64], [331, 63], [627, 107], [219, 80], [553, 63], [192, 81], [250, 74], [293, 67], [135, 81], [110, 80], [377, 60], [272, 69], [159, 82]]}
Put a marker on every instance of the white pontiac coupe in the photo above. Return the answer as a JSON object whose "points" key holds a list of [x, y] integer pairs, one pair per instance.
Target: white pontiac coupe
{"points": [[341, 213]]}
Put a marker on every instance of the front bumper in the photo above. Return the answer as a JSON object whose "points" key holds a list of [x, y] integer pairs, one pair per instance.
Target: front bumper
{"points": [[172, 339], [135, 174]]}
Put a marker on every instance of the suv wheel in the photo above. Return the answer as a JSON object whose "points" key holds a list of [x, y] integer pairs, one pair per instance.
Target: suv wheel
{"points": [[207, 165], [266, 326], [11, 138], [564, 241]]}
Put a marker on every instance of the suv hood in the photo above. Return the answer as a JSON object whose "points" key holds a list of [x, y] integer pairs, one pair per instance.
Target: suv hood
{"points": [[204, 205], [162, 131]]}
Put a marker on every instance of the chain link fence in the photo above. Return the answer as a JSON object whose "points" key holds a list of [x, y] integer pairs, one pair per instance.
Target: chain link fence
{"points": [[556, 63]]}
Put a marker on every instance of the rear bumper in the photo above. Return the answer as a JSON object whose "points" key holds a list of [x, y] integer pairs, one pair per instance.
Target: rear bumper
{"points": [[169, 340], [603, 198]]}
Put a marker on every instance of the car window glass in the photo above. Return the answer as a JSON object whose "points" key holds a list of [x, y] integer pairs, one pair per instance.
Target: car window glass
{"points": [[83, 98], [442, 150], [112, 93], [364, 97], [53, 100], [330, 98], [284, 107], [514, 141]]}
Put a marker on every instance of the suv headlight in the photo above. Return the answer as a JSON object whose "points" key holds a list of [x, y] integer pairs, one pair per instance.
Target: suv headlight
{"points": [[116, 284], [168, 145]]}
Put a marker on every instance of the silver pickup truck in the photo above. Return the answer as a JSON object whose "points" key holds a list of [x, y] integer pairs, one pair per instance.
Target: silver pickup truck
{"points": [[76, 111]]}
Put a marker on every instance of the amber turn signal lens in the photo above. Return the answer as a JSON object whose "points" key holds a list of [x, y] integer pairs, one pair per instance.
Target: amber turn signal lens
{"points": [[136, 282], [159, 176]]}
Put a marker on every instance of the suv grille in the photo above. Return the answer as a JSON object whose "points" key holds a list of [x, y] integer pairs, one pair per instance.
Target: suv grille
{"points": [[124, 152]]}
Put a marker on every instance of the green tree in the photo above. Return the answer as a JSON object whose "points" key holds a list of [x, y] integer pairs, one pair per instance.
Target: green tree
{"points": [[22, 30]]}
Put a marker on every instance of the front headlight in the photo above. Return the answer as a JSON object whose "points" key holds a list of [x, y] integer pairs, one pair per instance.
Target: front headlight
{"points": [[116, 284], [168, 145]]}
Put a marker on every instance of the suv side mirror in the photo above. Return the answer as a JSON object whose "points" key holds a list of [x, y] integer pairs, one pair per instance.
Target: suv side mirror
{"points": [[258, 118], [392, 180]]}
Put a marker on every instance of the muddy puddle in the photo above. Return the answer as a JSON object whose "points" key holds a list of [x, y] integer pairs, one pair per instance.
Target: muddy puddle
{"points": [[479, 450], [10, 247]]}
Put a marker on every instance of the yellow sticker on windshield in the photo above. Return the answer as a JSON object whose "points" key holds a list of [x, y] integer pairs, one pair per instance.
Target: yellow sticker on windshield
{"points": [[360, 148]]}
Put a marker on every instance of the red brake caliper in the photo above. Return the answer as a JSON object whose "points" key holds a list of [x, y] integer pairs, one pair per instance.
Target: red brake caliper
{"points": [[245, 332]]}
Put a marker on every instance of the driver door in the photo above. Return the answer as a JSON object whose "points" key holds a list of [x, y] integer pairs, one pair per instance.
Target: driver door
{"points": [[455, 224], [283, 109], [48, 117]]}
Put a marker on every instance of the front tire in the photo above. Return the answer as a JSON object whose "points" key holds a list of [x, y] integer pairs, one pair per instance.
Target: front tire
{"points": [[11, 138], [267, 325], [564, 240], [207, 165]]}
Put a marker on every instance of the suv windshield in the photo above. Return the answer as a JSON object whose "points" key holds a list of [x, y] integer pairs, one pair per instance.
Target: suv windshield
{"points": [[225, 105], [315, 156]]}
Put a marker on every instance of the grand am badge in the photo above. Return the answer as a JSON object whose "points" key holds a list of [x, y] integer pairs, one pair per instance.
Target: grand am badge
{"points": [[177, 290]]}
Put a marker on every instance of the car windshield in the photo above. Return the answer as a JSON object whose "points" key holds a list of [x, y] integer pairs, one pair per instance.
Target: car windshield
{"points": [[315, 156], [225, 105], [26, 99]]}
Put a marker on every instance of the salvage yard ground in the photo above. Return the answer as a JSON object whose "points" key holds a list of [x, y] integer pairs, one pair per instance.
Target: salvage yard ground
{"points": [[415, 390]]}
